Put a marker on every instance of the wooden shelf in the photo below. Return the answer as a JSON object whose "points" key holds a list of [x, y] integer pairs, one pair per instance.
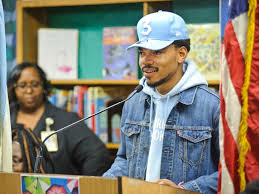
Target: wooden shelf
{"points": [[57, 3], [113, 145], [107, 82], [95, 82]]}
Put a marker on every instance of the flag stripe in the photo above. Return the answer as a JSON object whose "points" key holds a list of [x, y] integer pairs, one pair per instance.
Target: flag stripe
{"points": [[230, 116], [233, 107], [231, 153], [240, 29], [234, 57], [225, 181]]}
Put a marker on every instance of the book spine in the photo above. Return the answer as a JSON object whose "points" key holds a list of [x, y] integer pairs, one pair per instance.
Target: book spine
{"points": [[102, 119], [52, 97], [80, 100], [91, 108], [62, 98], [75, 99], [69, 102], [115, 126], [85, 110]]}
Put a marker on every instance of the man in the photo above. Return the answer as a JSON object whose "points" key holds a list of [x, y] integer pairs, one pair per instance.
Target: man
{"points": [[169, 131]]}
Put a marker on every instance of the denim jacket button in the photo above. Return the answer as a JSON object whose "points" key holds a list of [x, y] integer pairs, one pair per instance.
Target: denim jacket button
{"points": [[144, 149]]}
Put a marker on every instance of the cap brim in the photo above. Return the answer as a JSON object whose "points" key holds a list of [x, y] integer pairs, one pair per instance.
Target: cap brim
{"points": [[151, 44]]}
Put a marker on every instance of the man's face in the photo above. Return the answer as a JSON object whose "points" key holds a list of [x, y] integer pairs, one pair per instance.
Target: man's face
{"points": [[162, 68]]}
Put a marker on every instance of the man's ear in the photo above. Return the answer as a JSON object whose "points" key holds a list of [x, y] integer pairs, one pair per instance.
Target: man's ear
{"points": [[182, 54]]}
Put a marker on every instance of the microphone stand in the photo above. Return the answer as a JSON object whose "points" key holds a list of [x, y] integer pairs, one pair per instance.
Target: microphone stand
{"points": [[39, 153]]}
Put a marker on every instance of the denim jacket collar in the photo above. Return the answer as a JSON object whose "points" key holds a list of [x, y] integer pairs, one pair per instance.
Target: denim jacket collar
{"points": [[186, 97]]}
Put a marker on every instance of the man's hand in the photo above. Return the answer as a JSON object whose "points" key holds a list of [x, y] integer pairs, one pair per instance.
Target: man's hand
{"points": [[167, 182]]}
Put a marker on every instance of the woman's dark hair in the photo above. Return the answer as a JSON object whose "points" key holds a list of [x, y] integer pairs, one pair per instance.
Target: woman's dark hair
{"points": [[185, 42], [30, 145], [16, 74]]}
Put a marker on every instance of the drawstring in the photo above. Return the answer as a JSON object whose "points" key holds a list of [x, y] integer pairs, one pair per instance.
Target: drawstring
{"points": [[150, 118], [167, 101]]}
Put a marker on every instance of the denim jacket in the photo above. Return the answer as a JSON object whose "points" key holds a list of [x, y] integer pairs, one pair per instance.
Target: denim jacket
{"points": [[191, 140]]}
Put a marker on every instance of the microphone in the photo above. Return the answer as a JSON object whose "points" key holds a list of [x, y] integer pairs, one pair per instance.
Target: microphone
{"points": [[39, 153]]}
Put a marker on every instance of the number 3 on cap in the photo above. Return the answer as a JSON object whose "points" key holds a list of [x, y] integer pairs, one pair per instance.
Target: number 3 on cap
{"points": [[146, 27]]}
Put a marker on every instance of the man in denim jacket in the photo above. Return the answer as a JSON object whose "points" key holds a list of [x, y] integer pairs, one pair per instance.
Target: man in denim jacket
{"points": [[169, 131]]}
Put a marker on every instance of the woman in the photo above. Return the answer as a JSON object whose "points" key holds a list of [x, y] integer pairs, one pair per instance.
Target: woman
{"points": [[76, 150]]}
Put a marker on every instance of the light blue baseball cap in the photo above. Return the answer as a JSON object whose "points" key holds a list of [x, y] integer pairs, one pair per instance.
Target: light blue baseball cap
{"points": [[160, 29]]}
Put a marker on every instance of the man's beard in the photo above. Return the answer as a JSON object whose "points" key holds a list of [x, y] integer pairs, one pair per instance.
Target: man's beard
{"points": [[161, 81]]}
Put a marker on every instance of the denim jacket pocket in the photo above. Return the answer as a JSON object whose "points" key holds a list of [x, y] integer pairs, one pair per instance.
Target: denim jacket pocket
{"points": [[131, 132], [193, 145], [130, 129]]}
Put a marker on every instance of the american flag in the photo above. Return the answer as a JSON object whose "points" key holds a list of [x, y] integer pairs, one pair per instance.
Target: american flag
{"points": [[5, 126], [239, 92]]}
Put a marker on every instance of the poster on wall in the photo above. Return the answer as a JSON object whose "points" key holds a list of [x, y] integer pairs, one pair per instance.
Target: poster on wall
{"points": [[58, 52], [119, 64], [205, 49]]}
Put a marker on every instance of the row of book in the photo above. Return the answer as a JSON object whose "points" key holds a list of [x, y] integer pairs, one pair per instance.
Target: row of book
{"points": [[86, 101]]}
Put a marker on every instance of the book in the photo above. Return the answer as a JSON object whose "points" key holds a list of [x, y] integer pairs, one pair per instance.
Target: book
{"points": [[114, 118], [119, 64], [205, 48], [115, 127], [85, 106], [101, 98], [52, 98], [81, 90], [58, 52], [91, 108], [74, 102], [62, 98]]}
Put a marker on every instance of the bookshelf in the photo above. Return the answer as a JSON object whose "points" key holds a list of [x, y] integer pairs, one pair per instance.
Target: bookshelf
{"points": [[35, 14], [89, 17]]}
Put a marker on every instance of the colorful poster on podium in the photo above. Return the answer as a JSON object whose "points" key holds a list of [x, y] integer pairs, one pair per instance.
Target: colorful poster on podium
{"points": [[40, 184]]}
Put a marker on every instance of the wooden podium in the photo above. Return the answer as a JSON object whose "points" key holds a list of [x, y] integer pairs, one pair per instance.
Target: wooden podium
{"points": [[15, 183]]}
